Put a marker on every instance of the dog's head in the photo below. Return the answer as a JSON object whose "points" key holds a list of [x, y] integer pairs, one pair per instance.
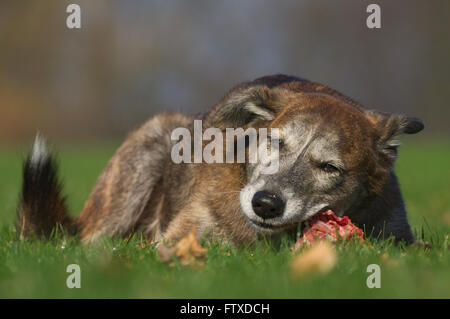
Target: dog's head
{"points": [[332, 152]]}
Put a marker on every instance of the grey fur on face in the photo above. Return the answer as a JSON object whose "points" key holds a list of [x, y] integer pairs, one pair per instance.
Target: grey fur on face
{"points": [[300, 182]]}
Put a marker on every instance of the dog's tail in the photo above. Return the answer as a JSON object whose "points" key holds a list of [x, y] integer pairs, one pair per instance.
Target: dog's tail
{"points": [[42, 209]]}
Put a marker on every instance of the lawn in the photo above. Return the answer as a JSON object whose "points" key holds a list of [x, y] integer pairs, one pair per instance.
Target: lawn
{"points": [[129, 269]]}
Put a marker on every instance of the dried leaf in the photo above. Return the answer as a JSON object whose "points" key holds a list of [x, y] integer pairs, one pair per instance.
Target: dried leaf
{"points": [[188, 250], [446, 218], [165, 253], [319, 258]]}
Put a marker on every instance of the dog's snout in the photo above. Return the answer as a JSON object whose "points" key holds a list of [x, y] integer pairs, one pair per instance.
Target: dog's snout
{"points": [[267, 205]]}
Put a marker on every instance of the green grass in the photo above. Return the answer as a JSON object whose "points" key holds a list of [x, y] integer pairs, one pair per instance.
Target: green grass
{"points": [[119, 268]]}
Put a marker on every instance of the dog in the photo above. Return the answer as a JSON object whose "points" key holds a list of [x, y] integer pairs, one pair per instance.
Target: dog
{"points": [[333, 154]]}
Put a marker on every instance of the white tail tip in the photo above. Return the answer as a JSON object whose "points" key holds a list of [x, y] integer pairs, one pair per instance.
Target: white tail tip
{"points": [[40, 151]]}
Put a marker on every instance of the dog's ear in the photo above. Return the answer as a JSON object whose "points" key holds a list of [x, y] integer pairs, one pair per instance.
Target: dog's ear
{"points": [[389, 127], [247, 106]]}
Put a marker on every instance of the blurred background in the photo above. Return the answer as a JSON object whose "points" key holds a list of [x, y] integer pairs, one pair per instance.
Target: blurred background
{"points": [[132, 59], [85, 89]]}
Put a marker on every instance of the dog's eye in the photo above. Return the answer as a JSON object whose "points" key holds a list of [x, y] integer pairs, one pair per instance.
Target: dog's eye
{"points": [[329, 168]]}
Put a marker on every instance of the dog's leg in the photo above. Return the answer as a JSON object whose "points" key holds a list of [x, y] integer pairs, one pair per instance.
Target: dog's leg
{"points": [[126, 184]]}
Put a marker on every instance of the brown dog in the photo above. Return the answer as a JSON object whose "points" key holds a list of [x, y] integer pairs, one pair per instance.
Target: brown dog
{"points": [[333, 154]]}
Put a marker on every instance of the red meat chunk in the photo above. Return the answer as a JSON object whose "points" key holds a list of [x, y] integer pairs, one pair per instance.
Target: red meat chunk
{"points": [[326, 225]]}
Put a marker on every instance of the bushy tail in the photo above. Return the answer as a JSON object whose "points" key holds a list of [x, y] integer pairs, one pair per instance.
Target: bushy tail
{"points": [[42, 207]]}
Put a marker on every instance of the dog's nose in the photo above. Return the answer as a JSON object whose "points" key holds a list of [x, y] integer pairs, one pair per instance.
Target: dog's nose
{"points": [[267, 205]]}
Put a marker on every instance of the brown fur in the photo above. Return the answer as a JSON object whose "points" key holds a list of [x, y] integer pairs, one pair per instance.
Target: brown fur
{"points": [[142, 190]]}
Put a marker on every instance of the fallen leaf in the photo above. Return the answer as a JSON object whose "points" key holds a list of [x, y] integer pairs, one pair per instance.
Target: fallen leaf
{"points": [[446, 218], [165, 252], [188, 250], [319, 258]]}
